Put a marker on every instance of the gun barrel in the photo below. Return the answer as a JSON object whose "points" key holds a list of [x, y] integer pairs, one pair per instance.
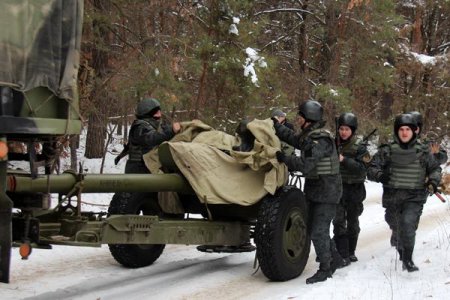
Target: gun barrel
{"points": [[98, 183]]}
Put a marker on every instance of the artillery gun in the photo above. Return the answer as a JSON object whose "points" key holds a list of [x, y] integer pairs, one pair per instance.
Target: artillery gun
{"points": [[41, 104]]}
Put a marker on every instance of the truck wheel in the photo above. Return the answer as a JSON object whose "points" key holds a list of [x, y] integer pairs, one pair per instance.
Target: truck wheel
{"points": [[281, 235], [134, 256]]}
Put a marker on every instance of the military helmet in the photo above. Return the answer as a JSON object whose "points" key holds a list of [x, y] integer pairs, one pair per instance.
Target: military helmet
{"points": [[348, 119], [405, 120], [146, 106], [311, 110], [419, 119]]}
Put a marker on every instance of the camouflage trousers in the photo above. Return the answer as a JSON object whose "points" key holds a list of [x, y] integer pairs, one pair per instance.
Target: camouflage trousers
{"points": [[403, 209], [346, 222], [320, 217]]}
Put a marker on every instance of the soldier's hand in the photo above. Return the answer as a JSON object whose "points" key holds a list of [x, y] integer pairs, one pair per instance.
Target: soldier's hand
{"points": [[434, 148], [341, 157], [432, 187], [176, 127], [275, 120], [281, 157]]}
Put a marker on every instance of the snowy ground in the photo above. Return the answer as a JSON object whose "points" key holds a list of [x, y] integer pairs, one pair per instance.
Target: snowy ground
{"points": [[184, 273]]}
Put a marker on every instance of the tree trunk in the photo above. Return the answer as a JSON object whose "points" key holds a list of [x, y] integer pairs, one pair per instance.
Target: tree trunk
{"points": [[74, 144], [96, 132]]}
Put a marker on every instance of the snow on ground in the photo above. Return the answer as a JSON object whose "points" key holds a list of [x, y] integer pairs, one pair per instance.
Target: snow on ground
{"points": [[184, 273]]}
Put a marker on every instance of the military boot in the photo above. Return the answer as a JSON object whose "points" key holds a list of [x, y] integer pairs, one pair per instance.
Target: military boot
{"points": [[336, 259], [408, 264], [400, 253], [322, 274], [342, 245], [352, 242]]}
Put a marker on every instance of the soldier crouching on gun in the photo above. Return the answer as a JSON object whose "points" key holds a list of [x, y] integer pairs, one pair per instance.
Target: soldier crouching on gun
{"points": [[354, 158], [408, 172], [323, 186]]}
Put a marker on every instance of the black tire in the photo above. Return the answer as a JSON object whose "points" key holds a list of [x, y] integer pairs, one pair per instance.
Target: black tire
{"points": [[281, 235], [128, 255]]}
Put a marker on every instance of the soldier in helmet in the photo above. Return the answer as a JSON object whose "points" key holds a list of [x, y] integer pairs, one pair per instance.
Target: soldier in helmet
{"points": [[408, 172], [146, 133], [439, 153], [319, 164], [353, 157]]}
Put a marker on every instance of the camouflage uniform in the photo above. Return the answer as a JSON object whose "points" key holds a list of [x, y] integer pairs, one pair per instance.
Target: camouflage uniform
{"points": [[323, 186], [353, 172], [405, 171]]}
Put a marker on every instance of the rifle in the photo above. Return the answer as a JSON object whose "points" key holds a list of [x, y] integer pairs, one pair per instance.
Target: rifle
{"points": [[122, 154], [367, 137]]}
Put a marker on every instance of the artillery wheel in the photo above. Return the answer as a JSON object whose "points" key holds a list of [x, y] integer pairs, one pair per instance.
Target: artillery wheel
{"points": [[134, 256], [281, 235]]}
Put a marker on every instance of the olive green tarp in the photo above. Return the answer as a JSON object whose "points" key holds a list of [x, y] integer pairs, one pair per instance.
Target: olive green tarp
{"points": [[40, 45], [220, 175]]}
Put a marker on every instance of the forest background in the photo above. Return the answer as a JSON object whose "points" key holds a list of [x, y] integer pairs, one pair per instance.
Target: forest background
{"points": [[224, 60]]}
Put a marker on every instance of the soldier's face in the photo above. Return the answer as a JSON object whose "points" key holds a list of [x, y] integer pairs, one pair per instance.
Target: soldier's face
{"points": [[157, 114], [345, 132], [405, 134], [300, 121]]}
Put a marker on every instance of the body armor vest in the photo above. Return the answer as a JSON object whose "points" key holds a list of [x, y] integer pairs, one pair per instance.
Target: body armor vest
{"points": [[135, 151], [406, 171], [327, 165], [350, 149]]}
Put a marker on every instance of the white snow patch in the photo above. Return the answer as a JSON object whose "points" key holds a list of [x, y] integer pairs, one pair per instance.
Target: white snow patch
{"points": [[425, 59], [233, 29], [249, 67]]}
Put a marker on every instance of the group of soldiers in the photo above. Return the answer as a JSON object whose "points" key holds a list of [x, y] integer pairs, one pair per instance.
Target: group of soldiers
{"points": [[335, 169]]}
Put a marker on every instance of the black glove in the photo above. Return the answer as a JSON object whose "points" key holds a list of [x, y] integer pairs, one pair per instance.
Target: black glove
{"points": [[116, 160], [275, 121], [280, 156], [384, 178], [432, 187]]}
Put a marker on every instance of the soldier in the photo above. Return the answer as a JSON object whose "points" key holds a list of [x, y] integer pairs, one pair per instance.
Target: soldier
{"points": [[408, 172], [146, 133], [439, 153], [353, 157], [323, 186]]}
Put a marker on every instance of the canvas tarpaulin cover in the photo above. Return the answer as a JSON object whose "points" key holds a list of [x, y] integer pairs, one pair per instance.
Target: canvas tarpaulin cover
{"points": [[220, 175], [40, 45]]}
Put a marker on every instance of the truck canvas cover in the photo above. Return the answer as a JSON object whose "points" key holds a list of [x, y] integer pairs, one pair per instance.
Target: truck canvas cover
{"points": [[40, 45]]}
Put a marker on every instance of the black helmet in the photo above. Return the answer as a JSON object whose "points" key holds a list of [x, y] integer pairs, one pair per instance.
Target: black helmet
{"points": [[405, 120], [146, 106], [311, 110], [348, 119], [418, 117]]}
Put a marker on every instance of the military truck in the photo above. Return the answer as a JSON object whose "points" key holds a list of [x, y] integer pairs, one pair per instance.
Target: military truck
{"points": [[39, 59]]}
